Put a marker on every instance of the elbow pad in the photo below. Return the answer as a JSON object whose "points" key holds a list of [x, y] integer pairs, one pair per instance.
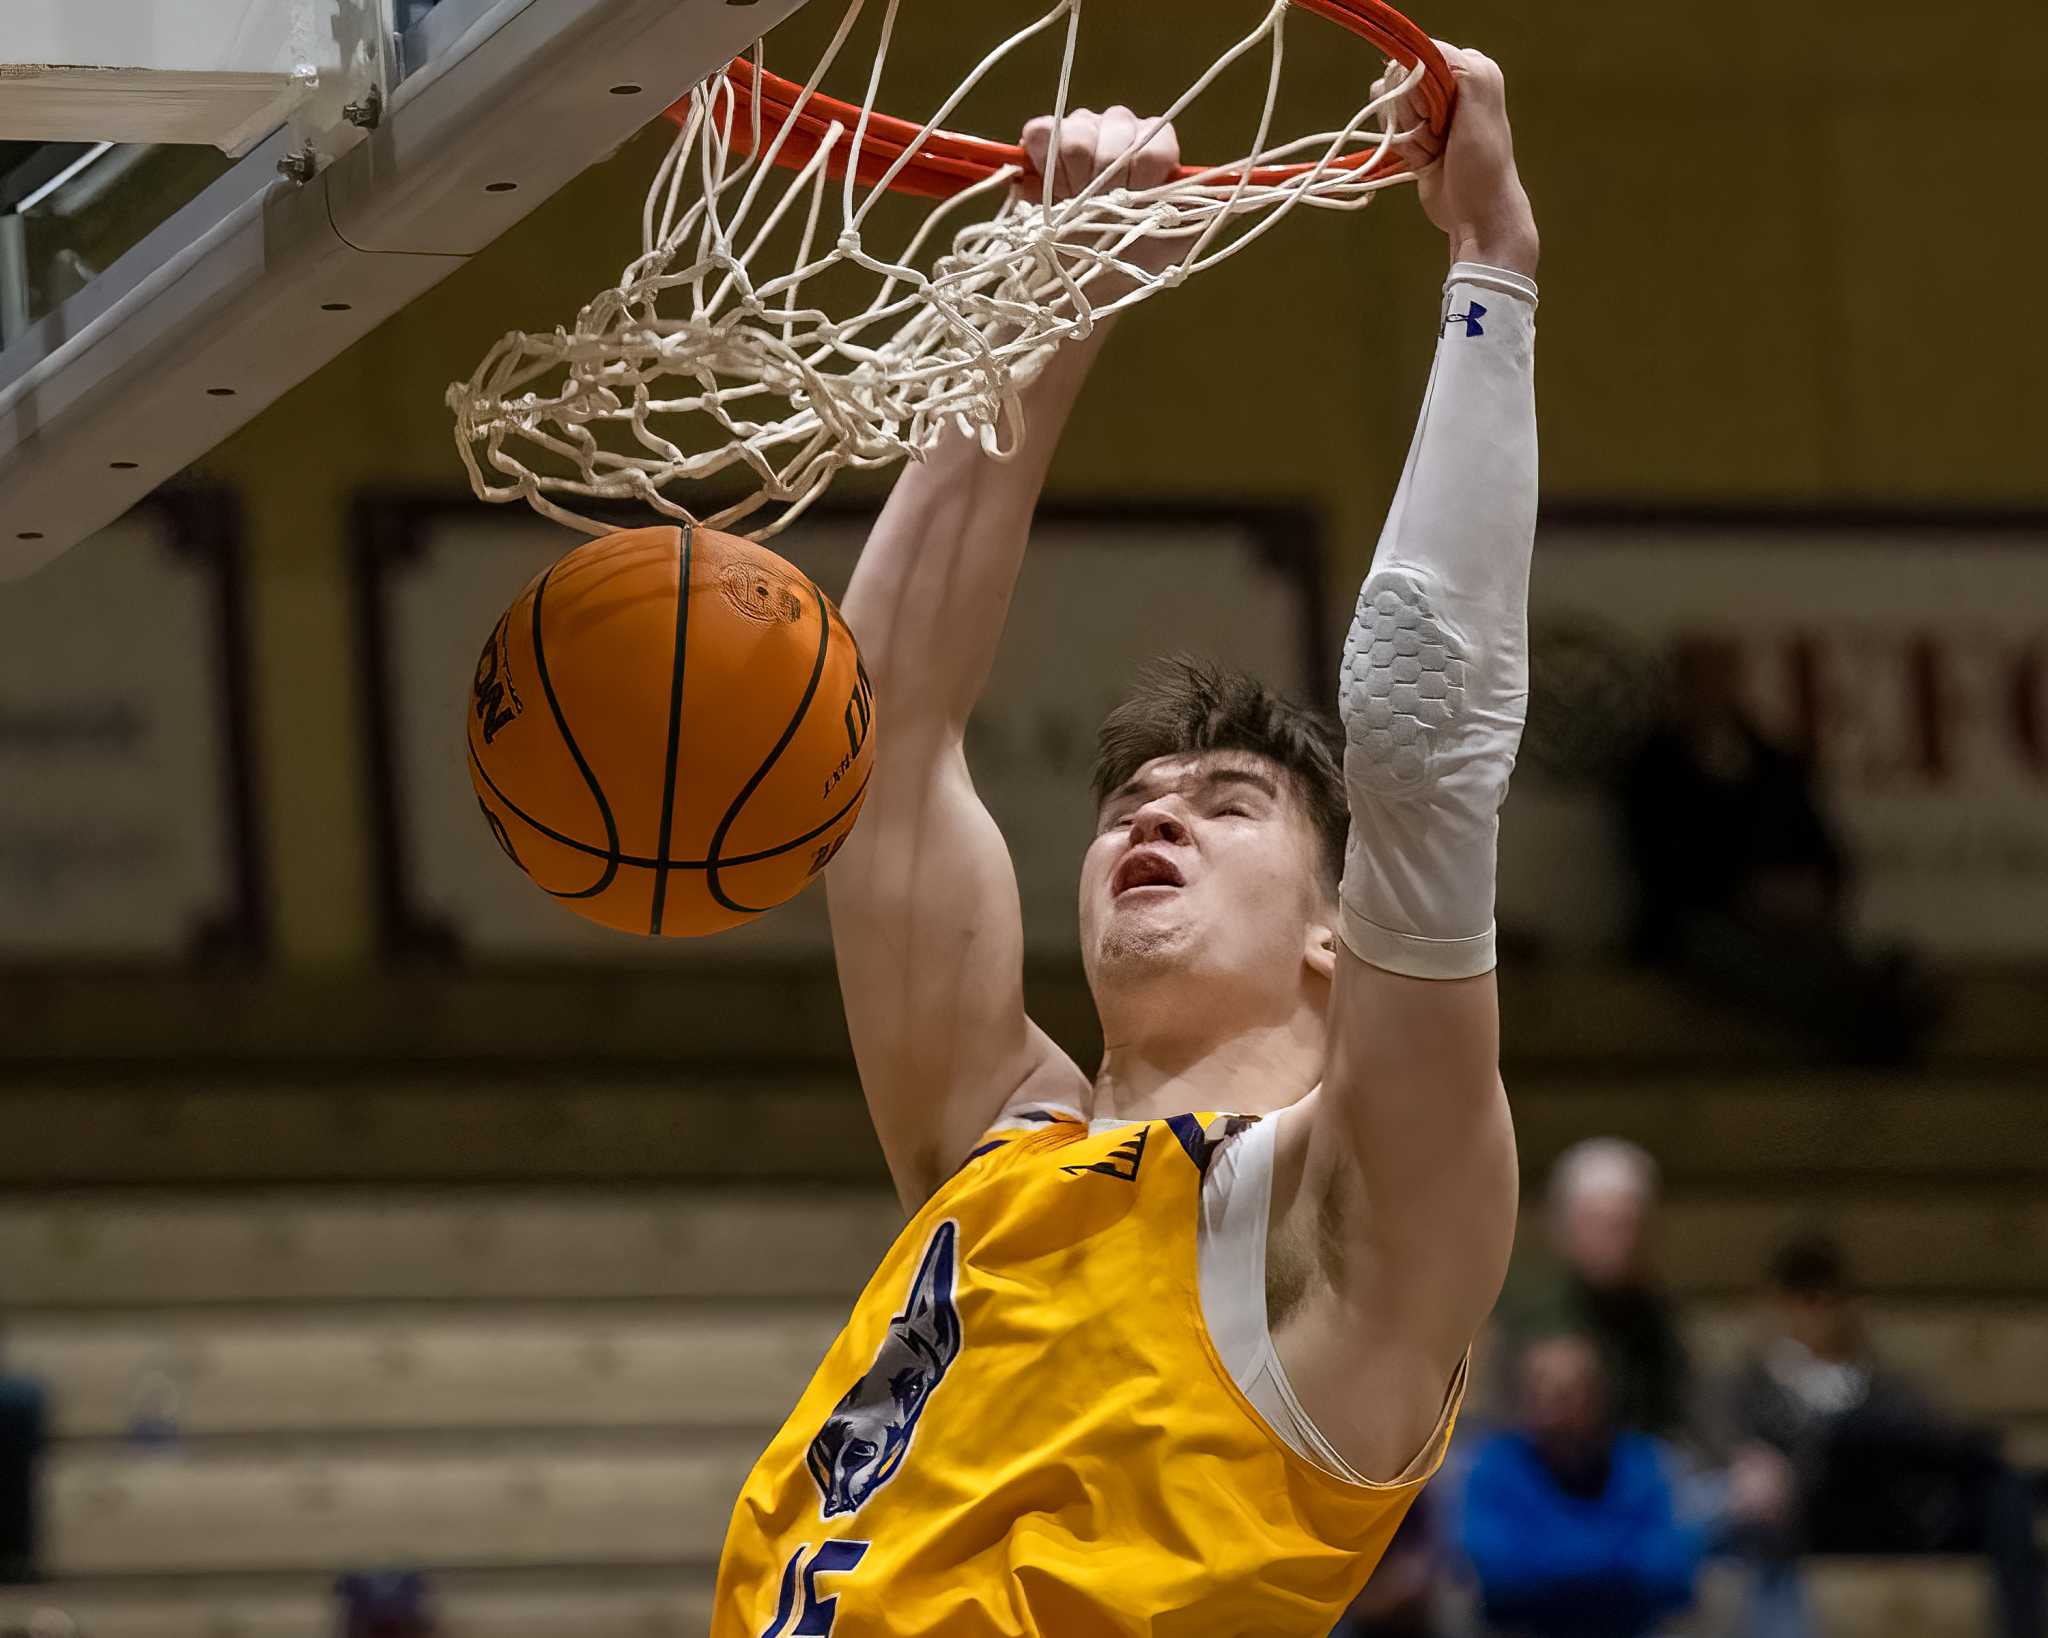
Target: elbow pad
{"points": [[1434, 688]]}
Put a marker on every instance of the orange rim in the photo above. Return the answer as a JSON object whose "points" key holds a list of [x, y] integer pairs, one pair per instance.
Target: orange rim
{"points": [[948, 162]]}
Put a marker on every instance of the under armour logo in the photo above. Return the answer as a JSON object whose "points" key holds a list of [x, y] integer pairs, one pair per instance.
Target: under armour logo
{"points": [[1470, 318], [1122, 1163]]}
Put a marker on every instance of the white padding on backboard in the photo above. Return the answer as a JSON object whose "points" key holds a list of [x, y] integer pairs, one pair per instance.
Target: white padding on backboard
{"points": [[191, 36], [222, 72]]}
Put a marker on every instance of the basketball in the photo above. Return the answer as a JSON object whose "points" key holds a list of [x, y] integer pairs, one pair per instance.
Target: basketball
{"points": [[669, 731]]}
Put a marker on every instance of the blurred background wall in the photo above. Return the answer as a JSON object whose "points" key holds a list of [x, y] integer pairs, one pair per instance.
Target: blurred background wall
{"points": [[1765, 278]]}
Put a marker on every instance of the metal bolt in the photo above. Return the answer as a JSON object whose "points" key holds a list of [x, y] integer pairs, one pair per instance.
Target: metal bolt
{"points": [[366, 113], [300, 166]]}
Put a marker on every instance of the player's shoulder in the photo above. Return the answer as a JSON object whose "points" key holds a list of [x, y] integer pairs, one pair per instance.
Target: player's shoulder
{"points": [[1039, 1125], [1036, 1123]]}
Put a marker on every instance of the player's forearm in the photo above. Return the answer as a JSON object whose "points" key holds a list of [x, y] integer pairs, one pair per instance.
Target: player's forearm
{"points": [[930, 595], [1435, 681]]}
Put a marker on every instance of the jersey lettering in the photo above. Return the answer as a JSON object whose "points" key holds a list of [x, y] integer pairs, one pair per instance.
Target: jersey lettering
{"points": [[815, 1615], [1122, 1163]]}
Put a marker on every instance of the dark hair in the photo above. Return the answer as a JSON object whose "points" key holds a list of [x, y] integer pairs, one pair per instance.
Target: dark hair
{"points": [[1810, 1265], [1180, 705]]}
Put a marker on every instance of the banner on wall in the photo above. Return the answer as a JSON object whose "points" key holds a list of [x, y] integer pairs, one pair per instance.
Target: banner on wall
{"points": [[1103, 590], [126, 830], [1909, 656]]}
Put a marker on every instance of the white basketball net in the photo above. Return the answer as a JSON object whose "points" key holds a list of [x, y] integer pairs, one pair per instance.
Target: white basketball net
{"points": [[957, 324]]}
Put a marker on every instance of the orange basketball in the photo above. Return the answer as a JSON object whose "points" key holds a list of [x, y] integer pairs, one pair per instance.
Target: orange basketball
{"points": [[668, 731]]}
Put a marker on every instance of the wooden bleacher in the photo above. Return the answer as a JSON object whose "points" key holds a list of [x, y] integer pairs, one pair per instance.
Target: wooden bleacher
{"points": [[527, 1334], [381, 1371], [1861, 1598], [120, 1249], [1850, 1597], [618, 1601], [92, 1251], [675, 1367], [492, 1502]]}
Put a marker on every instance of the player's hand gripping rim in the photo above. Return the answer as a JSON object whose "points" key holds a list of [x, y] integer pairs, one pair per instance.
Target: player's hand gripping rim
{"points": [[1467, 182]]}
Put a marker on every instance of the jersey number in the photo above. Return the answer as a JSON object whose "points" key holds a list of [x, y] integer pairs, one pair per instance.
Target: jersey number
{"points": [[814, 1615]]}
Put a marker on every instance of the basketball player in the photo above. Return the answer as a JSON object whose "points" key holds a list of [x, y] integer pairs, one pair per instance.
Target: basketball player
{"points": [[1169, 1349]]}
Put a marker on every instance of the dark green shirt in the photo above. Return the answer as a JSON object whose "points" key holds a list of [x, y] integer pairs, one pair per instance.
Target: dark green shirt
{"points": [[1636, 1330]]}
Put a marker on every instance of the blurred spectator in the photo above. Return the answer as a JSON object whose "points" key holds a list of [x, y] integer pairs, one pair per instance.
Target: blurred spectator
{"points": [[1400, 1600], [22, 1435], [1572, 1528], [1743, 886], [386, 1604], [1880, 1469], [1597, 1281]]}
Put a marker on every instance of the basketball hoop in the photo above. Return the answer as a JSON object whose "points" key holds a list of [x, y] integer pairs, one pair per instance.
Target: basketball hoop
{"points": [[705, 360]]}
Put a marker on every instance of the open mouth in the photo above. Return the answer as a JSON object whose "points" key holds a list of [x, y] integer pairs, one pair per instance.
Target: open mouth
{"points": [[1146, 867]]}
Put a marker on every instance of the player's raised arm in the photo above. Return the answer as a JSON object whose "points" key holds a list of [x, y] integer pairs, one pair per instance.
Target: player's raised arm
{"points": [[926, 925], [1412, 1126]]}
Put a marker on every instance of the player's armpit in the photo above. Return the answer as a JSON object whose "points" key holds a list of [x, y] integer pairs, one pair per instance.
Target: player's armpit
{"points": [[1396, 1187], [1413, 1105]]}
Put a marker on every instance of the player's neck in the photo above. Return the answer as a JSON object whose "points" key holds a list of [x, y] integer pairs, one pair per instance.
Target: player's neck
{"points": [[1248, 1071]]}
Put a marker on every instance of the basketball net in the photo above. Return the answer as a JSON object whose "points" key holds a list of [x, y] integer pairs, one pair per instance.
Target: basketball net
{"points": [[960, 317]]}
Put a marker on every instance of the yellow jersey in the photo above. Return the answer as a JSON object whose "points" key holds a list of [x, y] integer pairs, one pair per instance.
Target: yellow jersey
{"points": [[1024, 1429]]}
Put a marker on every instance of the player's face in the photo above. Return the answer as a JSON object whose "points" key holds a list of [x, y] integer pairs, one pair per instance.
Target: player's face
{"points": [[1563, 1400], [1824, 1321], [1205, 863], [1603, 1234]]}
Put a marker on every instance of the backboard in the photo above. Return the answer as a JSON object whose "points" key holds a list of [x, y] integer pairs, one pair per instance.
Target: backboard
{"points": [[173, 262]]}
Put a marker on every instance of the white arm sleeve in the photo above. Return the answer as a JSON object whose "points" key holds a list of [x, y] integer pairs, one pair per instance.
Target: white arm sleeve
{"points": [[1436, 668]]}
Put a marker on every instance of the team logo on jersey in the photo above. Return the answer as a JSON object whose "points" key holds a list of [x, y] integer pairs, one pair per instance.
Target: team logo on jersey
{"points": [[864, 1440], [1469, 318], [1122, 1162]]}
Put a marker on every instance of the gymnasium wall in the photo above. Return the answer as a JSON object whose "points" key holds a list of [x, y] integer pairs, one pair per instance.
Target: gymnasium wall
{"points": [[1780, 254]]}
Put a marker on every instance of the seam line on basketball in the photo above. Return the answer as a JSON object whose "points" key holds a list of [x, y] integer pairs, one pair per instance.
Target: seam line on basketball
{"points": [[640, 863], [684, 540], [604, 808], [713, 863]]}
